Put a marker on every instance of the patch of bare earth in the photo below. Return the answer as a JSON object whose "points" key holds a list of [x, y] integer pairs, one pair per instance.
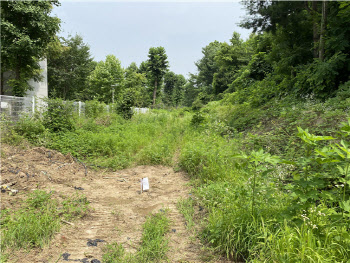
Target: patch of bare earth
{"points": [[118, 207]]}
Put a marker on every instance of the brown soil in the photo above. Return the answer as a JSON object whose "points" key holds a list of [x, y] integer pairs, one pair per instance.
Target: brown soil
{"points": [[118, 207]]}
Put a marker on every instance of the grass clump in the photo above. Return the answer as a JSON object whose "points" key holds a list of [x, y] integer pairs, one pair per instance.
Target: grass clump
{"points": [[154, 244], [186, 208], [37, 220]]}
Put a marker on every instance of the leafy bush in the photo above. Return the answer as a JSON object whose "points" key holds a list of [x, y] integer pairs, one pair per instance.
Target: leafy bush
{"points": [[125, 105], [59, 115], [197, 118], [94, 109], [30, 128]]}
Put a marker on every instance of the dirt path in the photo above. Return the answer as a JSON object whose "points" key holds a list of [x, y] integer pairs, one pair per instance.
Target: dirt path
{"points": [[119, 209]]}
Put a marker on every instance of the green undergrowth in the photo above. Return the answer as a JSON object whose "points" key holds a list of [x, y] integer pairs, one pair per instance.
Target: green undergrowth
{"points": [[273, 179], [38, 219], [154, 244], [187, 209], [110, 141]]}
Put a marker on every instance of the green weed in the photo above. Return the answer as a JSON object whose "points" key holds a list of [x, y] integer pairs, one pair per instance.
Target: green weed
{"points": [[186, 208], [154, 244], [37, 220]]}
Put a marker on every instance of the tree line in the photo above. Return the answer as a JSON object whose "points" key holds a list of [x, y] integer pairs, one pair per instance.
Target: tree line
{"points": [[298, 48]]}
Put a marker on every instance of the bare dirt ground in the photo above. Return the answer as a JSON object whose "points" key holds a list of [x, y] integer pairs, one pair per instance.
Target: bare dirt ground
{"points": [[118, 207]]}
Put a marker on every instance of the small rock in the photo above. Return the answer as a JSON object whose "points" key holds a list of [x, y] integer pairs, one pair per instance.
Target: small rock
{"points": [[65, 256], [95, 261], [93, 243], [21, 174]]}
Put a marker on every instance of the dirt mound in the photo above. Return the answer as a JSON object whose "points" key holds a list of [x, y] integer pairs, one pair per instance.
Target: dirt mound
{"points": [[118, 207]]}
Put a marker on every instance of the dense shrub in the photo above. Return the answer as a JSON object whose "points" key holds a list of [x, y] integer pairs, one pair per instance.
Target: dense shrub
{"points": [[58, 115]]}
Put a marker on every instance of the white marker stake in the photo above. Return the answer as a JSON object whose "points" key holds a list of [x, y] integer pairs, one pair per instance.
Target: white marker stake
{"points": [[144, 184]]}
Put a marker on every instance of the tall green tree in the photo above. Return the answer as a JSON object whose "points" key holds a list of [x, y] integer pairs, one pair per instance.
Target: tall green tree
{"points": [[178, 92], [229, 59], [169, 86], [173, 88], [207, 65], [69, 65], [191, 91], [26, 30], [135, 85], [310, 42], [157, 66], [106, 81]]}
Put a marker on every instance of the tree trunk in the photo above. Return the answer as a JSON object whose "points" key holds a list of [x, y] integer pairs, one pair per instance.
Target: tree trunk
{"points": [[155, 93], [315, 28], [323, 30]]}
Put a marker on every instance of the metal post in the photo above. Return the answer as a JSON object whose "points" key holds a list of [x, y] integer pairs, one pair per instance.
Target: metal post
{"points": [[79, 104], [33, 105]]}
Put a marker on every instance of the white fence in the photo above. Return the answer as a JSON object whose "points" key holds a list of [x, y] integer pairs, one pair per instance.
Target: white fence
{"points": [[13, 108]]}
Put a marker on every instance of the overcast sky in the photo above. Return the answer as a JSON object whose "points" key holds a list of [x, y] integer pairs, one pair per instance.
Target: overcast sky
{"points": [[128, 29]]}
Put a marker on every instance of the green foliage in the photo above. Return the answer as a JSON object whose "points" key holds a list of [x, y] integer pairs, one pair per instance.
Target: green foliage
{"points": [[197, 119], [58, 115], [294, 243], [320, 77], [69, 65], [186, 208], [154, 243], [23, 44], [94, 109], [254, 202], [37, 220], [207, 66], [125, 105], [106, 80], [256, 164], [229, 58], [30, 128], [173, 88], [153, 247], [136, 84], [115, 253], [157, 66]]}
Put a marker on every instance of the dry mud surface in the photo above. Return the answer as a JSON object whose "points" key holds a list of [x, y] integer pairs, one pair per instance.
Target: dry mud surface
{"points": [[118, 207]]}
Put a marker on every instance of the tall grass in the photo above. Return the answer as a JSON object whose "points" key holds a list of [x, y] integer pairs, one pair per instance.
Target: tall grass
{"points": [[206, 147], [37, 220], [148, 139]]}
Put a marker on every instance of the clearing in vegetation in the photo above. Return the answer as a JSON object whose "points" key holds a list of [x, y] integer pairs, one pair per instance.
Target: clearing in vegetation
{"points": [[114, 215]]}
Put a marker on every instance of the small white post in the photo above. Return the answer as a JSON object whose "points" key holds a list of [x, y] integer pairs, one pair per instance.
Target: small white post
{"points": [[33, 104], [79, 104]]}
